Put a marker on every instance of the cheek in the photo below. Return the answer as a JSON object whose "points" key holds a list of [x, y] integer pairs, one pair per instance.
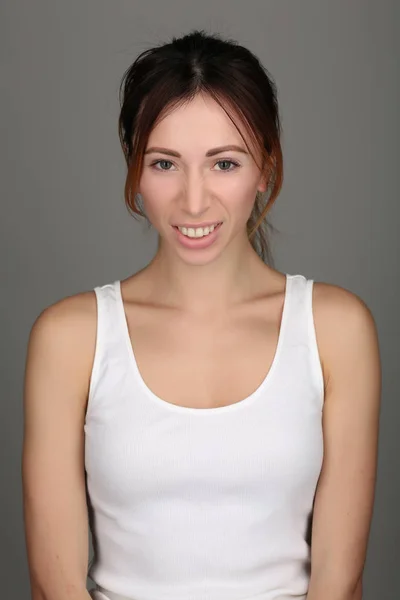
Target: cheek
{"points": [[241, 199], [157, 192], [240, 187], [154, 185]]}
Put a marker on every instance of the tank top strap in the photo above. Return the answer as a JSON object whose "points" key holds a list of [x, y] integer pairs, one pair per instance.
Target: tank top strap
{"points": [[296, 309], [109, 345], [300, 330]]}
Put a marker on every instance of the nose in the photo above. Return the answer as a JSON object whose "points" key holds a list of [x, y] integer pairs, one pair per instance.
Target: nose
{"points": [[195, 198]]}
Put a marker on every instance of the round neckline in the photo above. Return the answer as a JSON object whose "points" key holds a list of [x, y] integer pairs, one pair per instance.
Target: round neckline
{"points": [[216, 409]]}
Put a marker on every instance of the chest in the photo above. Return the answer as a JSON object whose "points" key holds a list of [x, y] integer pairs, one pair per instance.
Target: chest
{"points": [[203, 363]]}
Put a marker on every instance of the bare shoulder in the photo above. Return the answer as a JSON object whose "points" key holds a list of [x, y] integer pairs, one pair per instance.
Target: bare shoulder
{"points": [[71, 311], [344, 324], [71, 320], [65, 332], [339, 303]]}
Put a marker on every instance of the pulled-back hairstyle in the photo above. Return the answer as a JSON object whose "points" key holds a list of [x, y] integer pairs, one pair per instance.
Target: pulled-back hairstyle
{"points": [[169, 75]]}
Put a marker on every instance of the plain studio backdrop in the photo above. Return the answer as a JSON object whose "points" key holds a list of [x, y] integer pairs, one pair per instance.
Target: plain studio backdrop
{"points": [[65, 228]]}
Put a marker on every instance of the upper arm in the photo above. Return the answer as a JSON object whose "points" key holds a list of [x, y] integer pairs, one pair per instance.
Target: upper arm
{"points": [[57, 371], [345, 493]]}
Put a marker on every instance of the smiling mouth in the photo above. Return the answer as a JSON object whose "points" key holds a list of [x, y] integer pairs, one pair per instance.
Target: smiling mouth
{"points": [[215, 223], [199, 237]]}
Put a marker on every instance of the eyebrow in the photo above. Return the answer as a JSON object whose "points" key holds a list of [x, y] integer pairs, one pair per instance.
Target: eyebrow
{"points": [[211, 152]]}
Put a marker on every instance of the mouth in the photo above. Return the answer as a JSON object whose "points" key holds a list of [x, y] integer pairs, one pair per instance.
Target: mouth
{"points": [[215, 223], [198, 242]]}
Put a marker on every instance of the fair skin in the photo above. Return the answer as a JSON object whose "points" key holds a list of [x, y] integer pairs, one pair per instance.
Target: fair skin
{"points": [[231, 304]]}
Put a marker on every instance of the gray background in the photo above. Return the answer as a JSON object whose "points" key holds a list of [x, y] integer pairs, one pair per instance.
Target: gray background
{"points": [[65, 229]]}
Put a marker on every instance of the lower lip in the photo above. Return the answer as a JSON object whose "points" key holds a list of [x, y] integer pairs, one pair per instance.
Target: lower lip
{"points": [[197, 243]]}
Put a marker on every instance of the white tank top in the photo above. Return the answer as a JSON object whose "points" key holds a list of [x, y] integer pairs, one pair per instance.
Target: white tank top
{"points": [[203, 504]]}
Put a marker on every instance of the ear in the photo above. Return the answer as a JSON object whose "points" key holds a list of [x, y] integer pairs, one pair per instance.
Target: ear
{"points": [[264, 179], [263, 183]]}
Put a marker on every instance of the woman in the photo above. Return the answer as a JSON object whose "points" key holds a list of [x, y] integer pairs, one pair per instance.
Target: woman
{"points": [[214, 420]]}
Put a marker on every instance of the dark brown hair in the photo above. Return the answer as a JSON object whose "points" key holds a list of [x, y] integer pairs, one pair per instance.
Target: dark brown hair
{"points": [[171, 74]]}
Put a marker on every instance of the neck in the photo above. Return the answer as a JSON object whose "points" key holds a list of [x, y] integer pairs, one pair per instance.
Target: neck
{"points": [[200, 287]]}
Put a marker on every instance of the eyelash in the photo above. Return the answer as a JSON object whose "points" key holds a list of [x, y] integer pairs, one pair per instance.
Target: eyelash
{"points": [[233, 162]]}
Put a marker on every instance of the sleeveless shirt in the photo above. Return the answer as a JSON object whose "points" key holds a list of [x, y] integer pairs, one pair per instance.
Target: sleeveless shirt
{"points": [[203, 504]]}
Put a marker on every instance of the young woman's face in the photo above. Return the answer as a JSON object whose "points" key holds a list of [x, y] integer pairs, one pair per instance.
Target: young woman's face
{"points": [[183, 184]]}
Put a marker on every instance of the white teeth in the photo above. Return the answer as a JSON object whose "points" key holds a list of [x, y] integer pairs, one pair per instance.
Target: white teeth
{"points": [[197, 233]]}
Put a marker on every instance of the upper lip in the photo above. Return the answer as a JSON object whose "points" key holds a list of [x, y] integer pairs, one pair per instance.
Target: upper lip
{"points": [[195, 225]]}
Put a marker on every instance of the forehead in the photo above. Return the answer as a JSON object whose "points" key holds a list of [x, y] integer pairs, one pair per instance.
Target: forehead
{"points": [[200, 123]]}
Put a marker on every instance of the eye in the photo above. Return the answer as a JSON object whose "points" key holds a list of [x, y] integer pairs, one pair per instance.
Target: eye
{"points": [[161, 160], [232, 162]]}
